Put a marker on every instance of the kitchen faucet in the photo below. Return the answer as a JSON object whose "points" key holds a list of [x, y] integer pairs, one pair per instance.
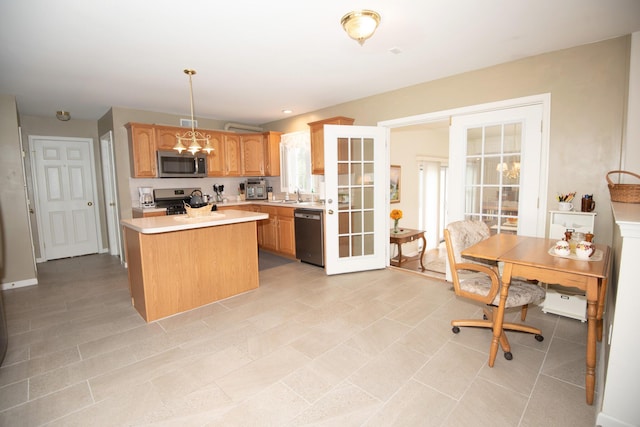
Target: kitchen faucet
{"points": [[299, 197]]}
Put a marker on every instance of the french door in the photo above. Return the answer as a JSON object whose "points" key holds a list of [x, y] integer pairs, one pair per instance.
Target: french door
{"points": [[496, 170], [357, 197]]}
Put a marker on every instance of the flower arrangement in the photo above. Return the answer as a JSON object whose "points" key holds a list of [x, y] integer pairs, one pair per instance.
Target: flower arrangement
{"points": [[395, 215]]}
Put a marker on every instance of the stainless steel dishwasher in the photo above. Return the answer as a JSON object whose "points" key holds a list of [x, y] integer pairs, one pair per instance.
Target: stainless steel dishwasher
{"points": [[309, 228]]}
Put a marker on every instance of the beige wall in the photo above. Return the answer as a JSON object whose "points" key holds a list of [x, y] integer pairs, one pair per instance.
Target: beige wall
{"points": [[588, 87], [17, 260]]}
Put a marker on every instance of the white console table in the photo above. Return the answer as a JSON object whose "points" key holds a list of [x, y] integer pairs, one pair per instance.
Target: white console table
{"points": [[564, 301], [560, 221]]}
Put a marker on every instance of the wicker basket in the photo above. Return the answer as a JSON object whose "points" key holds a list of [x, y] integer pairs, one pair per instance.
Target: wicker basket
{"points": [[625, 193], [197, 212]]}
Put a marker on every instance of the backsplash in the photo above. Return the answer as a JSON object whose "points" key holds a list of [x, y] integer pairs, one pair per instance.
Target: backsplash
{"points": [[231, 185]]}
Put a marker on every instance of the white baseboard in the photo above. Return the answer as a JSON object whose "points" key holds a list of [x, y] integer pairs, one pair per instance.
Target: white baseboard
{"points": [[19, 284]]}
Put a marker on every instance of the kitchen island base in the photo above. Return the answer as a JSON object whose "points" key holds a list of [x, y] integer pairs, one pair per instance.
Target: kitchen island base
{"points": [[173, 272]]}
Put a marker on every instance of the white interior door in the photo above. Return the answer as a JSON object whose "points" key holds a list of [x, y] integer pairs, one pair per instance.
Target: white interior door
{"points": [[65, 195], [110, 195], [357, 198], [496, 170]]}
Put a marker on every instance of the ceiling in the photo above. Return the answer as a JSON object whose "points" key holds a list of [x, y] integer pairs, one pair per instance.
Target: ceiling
{"points": [[255, 58]]}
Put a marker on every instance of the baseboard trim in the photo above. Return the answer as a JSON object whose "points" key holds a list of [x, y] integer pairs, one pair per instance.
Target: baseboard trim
{"points": [[19, 284]]}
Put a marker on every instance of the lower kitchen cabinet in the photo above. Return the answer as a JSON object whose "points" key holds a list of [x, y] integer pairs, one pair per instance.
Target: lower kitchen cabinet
{"points": [[278, 232], [286, 232]]}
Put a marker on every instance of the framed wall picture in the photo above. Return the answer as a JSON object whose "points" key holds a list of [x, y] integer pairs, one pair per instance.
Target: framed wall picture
{"points": [[394, 185]]}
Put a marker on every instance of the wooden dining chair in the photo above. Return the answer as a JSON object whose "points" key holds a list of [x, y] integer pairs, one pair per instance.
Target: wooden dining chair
{"points": [[479, 281]]}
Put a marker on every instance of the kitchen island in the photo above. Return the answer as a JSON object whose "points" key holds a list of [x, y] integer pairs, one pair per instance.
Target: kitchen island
{"points": [[176, 263]]}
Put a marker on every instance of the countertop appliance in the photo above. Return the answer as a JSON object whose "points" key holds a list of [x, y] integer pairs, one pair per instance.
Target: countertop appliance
{"points": [[172, 164], [173, 199], [309, 227], [146, 197], [256, 189]]}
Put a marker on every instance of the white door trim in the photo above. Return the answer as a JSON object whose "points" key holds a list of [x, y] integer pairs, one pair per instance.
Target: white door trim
{"points": [[110, 194], [543, 99]]}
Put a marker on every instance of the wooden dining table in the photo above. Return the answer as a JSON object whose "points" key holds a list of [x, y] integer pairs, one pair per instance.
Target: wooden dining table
{"points": [[530, 258]]}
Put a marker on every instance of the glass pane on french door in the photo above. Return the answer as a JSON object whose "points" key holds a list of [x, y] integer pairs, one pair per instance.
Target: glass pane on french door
{"points": [[492, 178], [355, 197]]}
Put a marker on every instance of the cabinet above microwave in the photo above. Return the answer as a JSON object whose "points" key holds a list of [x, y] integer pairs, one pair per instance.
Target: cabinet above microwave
{"points": [[235, 154]]}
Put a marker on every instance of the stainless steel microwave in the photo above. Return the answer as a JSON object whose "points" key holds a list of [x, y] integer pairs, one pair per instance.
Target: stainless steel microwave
{"points": [[172, 164]]}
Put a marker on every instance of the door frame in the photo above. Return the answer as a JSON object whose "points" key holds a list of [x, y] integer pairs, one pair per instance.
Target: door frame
{"points": [[109, 184], [543, 99], [34, 180]]}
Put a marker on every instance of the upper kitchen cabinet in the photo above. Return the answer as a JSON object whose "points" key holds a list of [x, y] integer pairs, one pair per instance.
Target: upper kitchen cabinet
{"points": [[232, 154], [166, 136], [317, 141], [253, 153], [272, 153], [142, 150], [216, 159]]}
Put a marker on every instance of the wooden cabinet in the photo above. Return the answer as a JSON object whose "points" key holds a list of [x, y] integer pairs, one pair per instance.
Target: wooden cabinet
{"points": [[286, 232], [272, 153], [253, 153], [142, 150], [216, 159], [166, 136], [232, 155], [278, 232], [270, 229], [317, 141]]}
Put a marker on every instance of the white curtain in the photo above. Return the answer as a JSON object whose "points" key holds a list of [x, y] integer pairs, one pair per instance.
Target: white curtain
{"points": [[432, 190], [295, 161]]}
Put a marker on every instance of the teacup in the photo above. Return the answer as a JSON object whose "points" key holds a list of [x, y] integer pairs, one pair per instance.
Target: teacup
{"points": [[584, 249], [565, 206], [562, 248]]}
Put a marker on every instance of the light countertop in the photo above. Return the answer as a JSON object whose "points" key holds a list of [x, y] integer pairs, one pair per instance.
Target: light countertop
{"points": [[168, 223]]}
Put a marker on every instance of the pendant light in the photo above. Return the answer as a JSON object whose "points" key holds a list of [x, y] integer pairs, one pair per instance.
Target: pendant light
{"points": [[192, 137]]}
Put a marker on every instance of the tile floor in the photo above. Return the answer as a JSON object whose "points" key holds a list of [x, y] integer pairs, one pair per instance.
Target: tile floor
{"points": [[362, 349]]}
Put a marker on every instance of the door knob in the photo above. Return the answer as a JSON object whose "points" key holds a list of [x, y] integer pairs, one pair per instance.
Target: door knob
{"points": [[330, 211], [89, 203]]}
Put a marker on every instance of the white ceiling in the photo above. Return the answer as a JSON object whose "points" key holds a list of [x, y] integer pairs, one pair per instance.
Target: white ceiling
{"points": [[255, 58]]}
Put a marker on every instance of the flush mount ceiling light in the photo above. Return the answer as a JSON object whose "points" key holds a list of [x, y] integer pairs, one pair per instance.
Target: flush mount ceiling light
{"points": [[63, 116], [192, 137], [360, 24]]}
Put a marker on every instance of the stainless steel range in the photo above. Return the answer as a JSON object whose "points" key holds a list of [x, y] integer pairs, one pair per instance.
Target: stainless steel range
{"points": [[173, 199]]}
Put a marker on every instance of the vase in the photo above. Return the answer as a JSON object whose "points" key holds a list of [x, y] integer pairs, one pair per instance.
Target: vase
{"points": [[395, 226]]}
